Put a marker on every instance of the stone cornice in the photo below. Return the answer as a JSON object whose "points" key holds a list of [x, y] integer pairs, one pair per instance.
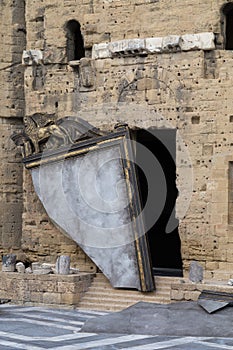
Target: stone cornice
{"points": [[167, 44]]}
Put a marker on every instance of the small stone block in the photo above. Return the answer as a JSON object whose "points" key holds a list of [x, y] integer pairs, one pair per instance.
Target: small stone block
{"points": [[32, 57], [20, 267], [42, 271], [63, 265], [200, 41], [127, 47], [28, 270], [189, 42], [153, 45], [171, 43], [101, 51], [8, 262], [195, 272], [207, 41]]}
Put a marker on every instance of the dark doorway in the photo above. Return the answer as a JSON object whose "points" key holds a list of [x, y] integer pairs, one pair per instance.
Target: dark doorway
{"points": [[156, 162], [228, 25], [75, 45]]}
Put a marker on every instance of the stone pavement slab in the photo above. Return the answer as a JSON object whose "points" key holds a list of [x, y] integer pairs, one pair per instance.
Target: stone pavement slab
{"points": [[176, 319], [40, 328]]}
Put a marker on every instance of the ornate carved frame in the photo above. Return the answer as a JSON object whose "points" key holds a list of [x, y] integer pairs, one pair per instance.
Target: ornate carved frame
{"points": [[121, 138]]}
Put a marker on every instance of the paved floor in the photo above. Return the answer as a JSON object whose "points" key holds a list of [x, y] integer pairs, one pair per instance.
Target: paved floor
{"points": [[37, 328]]}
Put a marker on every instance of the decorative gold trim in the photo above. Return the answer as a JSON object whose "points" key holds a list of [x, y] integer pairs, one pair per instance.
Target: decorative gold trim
{"points": [[137, 245], [57, 158]]}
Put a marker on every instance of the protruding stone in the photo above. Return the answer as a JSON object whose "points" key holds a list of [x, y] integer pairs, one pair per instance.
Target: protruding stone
{"points": [[189, 42], [200, 41], [31, 57], [127, 47], [195, 272], [20, 267], [171, 43], [153, 45], [41, 269], [63, 265], [101, 51], [74, 271], [36, 265], [87, 75], [207, 41], [47, 266], [8, 262], [28, 270]]}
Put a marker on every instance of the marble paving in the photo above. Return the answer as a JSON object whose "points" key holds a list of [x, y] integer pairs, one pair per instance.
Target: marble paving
{"points": [[40, 328]]}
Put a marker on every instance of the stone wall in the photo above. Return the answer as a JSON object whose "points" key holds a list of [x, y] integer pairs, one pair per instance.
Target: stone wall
{"points": [[52, 290], [13, 41], [190, 91], [187, 291]]}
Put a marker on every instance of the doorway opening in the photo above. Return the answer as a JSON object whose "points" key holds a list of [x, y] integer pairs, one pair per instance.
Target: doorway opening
{"points": [[227, 25], [75, 45], [159, 212]]}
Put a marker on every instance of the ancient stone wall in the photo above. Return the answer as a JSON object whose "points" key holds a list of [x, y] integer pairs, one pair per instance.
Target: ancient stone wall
{"points": [[13, 40], [52, 290], [188, 90]]}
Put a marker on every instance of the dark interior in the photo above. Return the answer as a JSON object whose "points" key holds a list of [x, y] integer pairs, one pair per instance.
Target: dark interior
{"points": [[75, 43], [163, 235], [228, 25]]}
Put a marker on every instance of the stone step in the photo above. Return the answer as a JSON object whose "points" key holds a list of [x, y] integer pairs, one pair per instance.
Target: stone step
{"points": [[100, 275], [115, 299], [113, 305], [158, 282], [126, 298], [99, 307], [108, 288], [126, 294], [102, 296], [164, 283]]}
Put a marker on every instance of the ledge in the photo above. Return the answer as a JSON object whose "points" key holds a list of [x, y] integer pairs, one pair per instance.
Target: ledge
{"points": [[186, 290], [50, 289], [167, 44], [74, 63]]}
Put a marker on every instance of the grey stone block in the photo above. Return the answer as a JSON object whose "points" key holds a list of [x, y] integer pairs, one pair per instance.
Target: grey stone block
{"points": [[195, 272]]}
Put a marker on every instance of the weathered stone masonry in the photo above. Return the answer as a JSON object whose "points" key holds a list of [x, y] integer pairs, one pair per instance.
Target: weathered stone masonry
{"points": [[191, 90], [13, 41]]}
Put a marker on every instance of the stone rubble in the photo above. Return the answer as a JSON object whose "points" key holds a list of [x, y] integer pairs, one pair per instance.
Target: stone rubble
{"points": [[39, 268]]}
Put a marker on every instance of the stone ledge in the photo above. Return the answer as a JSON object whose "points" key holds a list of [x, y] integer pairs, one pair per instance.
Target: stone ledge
{"points": [[50, 289], [167, 44], [186, 290], [136, 46]]}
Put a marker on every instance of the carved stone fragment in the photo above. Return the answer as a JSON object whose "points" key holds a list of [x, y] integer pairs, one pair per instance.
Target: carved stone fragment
{"points": [[43, 132], [20, 267], [101, 51], [63, 265], [171, 43], [155, 45], [127, 47], [8, 262], [31, 57], [87, 75]]}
